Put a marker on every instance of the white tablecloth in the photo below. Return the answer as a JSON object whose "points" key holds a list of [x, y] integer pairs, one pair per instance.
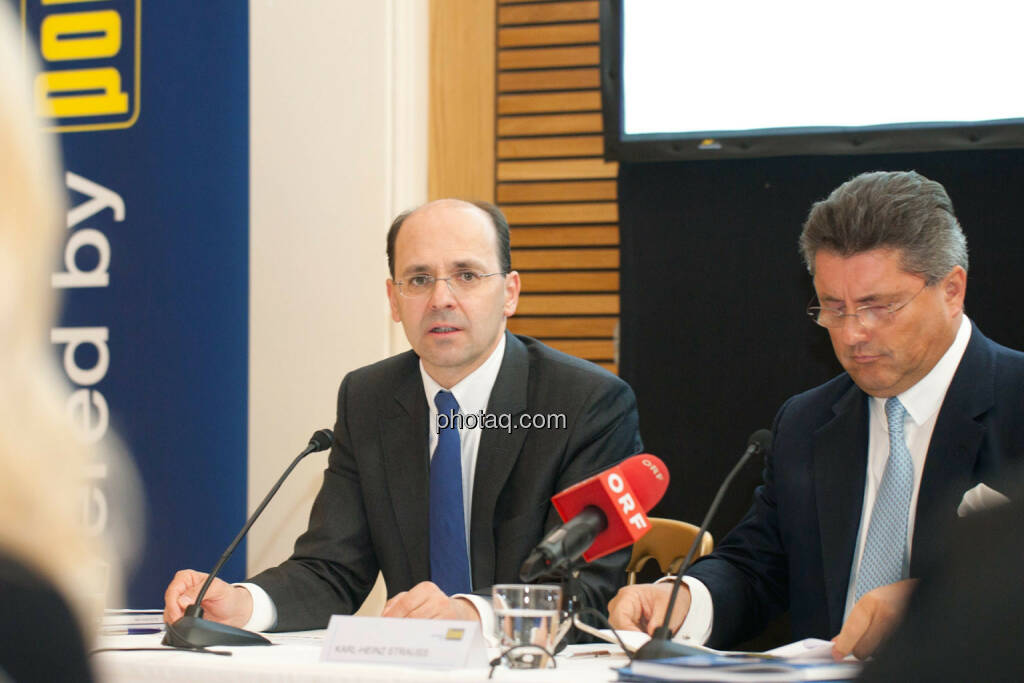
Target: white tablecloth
{"points": [[295, 657]]}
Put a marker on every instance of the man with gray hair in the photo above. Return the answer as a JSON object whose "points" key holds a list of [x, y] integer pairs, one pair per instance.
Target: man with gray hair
{"points": [[868, 471]]}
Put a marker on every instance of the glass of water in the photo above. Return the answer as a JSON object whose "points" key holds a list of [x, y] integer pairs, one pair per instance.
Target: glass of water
{"points": [[527, 618]]}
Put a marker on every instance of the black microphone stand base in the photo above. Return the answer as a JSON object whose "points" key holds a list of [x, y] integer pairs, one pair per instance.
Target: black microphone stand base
{"points": [[656, 648], [195, 632]]}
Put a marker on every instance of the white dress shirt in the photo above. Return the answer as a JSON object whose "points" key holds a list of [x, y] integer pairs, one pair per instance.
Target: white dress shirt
{"points": [[922, 402], [472, 395]]}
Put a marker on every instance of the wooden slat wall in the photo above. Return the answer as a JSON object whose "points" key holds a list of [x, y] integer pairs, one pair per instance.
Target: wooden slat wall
{"points": [[560, 196]]}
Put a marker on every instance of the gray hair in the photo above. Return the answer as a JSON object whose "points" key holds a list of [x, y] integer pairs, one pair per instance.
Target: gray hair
{"points": [[896, 210]]}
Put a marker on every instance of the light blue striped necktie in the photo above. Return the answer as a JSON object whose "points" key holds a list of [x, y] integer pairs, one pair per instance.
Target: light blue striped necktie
{"points": [[885, 550], [449, 559]]}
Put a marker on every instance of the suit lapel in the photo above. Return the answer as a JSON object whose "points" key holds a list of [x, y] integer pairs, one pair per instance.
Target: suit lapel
{"points": [[496, 456], [840, 468], [403, 427], [952, 451]]}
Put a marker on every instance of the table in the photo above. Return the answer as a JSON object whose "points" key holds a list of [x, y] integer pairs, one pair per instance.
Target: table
{"points": [[295, 657]]}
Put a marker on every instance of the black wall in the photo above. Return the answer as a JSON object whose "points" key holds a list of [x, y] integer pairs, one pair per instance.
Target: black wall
{"points": [[714, 336]]}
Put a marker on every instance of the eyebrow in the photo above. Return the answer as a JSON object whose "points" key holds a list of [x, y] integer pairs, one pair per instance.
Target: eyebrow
{"points": [[864, 300], [471, 264], [416, 268]]}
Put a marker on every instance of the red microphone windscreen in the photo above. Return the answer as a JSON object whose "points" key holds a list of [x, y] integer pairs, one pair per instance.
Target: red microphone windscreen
{"points": [[623, 493], [648, 476]]}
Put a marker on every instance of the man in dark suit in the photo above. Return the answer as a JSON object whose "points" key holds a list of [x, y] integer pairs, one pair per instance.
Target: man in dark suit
{"points": [[965, 620], [443, 512], [867, 472]]}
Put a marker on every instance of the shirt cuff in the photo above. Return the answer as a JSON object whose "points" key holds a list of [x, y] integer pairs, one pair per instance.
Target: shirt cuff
{"points": [[486, 613], [264, 612], [696, 627]]}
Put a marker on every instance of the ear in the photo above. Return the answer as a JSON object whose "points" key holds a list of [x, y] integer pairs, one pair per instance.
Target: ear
{"points": [[512, 287], [393, 299], [954, 288]]}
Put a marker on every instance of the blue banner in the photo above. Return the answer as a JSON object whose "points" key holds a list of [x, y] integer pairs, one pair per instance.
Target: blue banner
{"points": [[151, 102]]}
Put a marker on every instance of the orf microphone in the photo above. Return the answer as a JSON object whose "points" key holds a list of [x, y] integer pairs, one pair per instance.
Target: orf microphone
{"points": [[661, 645], [192, 631], [602, 514]]}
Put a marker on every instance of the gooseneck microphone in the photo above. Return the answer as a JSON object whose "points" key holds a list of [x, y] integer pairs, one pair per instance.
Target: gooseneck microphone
{"points": [[192, 631], [602, 514], [661, 645]]}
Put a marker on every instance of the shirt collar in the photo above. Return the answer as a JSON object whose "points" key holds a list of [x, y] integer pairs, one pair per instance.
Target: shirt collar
{"points": [[474, 390], [925, 398]]}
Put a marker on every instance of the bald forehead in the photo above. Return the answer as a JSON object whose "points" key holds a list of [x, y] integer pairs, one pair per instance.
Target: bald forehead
{"points": [[452, 213], [443, 206], [455, 231]]}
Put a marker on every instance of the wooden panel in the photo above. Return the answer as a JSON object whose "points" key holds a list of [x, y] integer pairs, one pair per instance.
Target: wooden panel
{"points": [[591, 349], [550, 124], [553, 102], [610, 367], [563, 327], [532, 148], [557, 192], [591, 235], [462, 85], [549, 57], [540, 214], [560, 79], [553, 185], [564, 259], [573, 304], [586, 281], [549, 13], [557, 170], [565, 34]]}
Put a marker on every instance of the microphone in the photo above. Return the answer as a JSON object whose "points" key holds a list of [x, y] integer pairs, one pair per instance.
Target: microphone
{"points": [[601, 514], [661, 645], [192, 631]]}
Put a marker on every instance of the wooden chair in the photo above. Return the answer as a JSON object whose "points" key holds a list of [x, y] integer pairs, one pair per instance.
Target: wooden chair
{"points": [[666, 543]]}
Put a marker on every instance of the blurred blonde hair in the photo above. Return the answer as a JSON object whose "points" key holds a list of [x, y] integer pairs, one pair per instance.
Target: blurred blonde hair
{"points": [[42, 462]]}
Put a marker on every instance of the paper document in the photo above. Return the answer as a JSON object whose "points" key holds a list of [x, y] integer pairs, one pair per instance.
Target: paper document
{"points": [[131, 621], [737, 668], [802, 650]]}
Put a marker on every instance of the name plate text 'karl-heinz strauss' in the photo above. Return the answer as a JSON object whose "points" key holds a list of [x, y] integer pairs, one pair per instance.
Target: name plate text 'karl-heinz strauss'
{"points": [[428, 643]]}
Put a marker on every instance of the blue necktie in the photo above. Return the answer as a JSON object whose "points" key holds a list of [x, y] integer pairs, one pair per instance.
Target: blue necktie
{"points": [[885, 550], [449, 560]]}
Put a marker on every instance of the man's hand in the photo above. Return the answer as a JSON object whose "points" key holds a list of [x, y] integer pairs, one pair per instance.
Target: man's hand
{"points": [[225, 603], [872, 619], [641, 607], [426, 601]]}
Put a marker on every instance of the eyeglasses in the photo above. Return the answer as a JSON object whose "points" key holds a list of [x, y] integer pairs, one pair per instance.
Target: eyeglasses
{"points": [[870, 316], [460, 282]]}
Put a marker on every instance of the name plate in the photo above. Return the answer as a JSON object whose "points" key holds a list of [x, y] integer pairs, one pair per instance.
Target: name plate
{"points": [[430, 643]]}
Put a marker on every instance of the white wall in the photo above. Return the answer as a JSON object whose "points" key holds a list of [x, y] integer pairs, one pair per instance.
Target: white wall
{"points": [[338, 146]]}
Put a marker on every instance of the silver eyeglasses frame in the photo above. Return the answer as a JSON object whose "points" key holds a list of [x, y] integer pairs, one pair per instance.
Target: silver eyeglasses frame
{"points": [[414, 289], [870, 316]]}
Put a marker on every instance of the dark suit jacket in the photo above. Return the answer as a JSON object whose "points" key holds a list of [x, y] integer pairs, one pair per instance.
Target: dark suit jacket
{"points": [[39, 636], [794, 549], [372, 511], [964, 622]]}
